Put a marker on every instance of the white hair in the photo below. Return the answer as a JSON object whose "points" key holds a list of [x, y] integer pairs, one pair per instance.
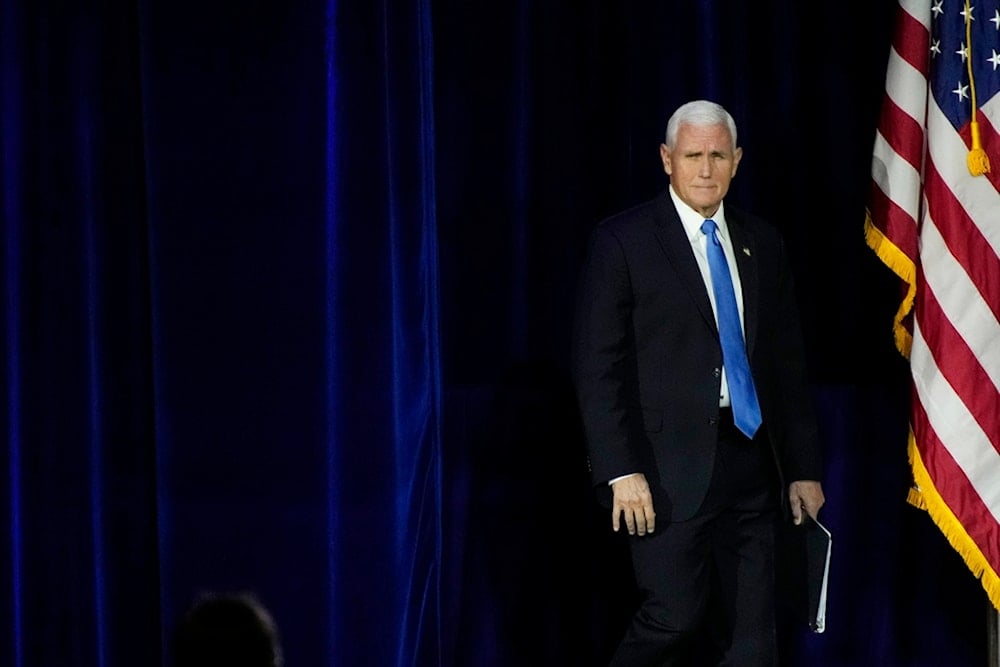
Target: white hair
{"points": [[700, 113]]}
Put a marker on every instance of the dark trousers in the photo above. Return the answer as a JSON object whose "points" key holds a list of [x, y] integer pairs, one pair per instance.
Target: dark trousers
{"points": [[707, 584]]}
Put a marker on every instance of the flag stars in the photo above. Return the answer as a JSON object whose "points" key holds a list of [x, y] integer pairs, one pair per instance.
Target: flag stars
{"points": [[970, 16], [995, 60], [964, 52], [935, 48], [962, 91], [937, 8], [996, 18]]}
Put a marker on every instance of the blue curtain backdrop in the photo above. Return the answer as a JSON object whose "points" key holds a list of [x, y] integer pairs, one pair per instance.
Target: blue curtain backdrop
{"points": [[287, 298]]}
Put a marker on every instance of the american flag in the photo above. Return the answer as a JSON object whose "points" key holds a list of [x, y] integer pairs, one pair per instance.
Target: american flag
{"points": [[934, 219]]}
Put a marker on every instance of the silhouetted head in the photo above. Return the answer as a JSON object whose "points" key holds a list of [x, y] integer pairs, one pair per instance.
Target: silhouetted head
{"points": [[221, 630]]}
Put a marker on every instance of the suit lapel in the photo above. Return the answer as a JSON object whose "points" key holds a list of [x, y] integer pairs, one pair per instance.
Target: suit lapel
{"points": [[676, 246], [746, 261]]}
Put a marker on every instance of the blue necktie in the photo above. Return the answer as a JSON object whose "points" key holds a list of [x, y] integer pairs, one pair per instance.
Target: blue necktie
{"points": [[746, 409]]}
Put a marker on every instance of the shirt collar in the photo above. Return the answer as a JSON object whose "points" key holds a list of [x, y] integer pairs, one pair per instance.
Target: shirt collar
{"points": [[692, 219]]}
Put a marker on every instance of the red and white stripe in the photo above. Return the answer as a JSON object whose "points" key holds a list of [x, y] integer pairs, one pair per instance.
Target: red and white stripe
{"points": [[938, 228]]}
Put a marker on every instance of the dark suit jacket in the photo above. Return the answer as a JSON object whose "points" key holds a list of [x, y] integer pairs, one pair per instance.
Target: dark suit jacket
{"points": [[647, 359]]}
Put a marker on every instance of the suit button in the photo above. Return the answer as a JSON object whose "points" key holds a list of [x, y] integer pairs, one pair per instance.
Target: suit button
{"points": [[713, 420], [717, 372]]}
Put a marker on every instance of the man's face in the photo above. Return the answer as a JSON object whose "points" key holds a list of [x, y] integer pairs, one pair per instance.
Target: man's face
{"points": [[701, 165]]}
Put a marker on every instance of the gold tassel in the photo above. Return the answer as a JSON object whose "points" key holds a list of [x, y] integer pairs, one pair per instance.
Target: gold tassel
{"points": [[977, 159]]}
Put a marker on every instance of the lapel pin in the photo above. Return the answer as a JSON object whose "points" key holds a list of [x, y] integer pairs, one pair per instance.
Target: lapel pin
{"points": [[746, 251]]}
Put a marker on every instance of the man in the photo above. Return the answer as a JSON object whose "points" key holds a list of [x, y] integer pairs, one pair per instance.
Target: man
{"points": [[699, 437]]}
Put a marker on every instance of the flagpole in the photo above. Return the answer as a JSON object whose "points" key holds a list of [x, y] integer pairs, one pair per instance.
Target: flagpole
{"points": [[993, 635]]}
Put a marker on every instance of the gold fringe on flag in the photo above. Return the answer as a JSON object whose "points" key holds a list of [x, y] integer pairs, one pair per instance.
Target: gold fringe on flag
{"points": [[903, 267], [923, 495]]}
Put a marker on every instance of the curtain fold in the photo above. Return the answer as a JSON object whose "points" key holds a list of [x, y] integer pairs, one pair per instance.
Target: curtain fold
{"points": [[12, 501], [383, 335], [82, 565]]}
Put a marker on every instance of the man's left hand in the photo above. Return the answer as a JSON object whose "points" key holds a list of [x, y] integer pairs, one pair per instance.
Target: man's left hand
{"points": [[805, 495]]}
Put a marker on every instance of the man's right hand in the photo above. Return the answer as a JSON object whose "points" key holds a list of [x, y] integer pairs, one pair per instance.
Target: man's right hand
{"points": [[632, 497]]}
